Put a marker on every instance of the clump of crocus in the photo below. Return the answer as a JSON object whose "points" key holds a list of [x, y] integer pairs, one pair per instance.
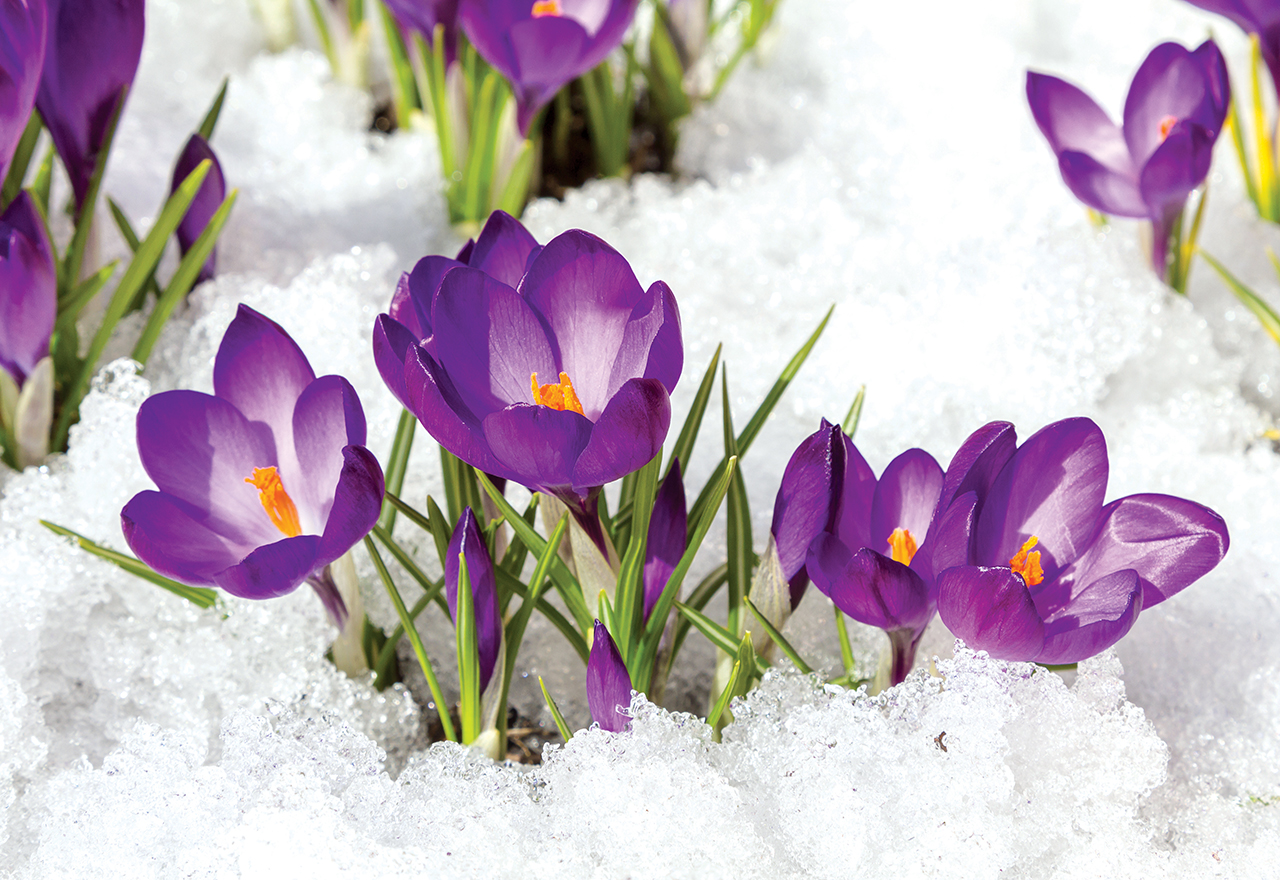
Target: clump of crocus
{"points": [[207, 201], [1054, 575], [540, 45], [22, 32], [608, 683], [262, 484], [28, 310], [1147, 167], [91, 57], [560, 382]]}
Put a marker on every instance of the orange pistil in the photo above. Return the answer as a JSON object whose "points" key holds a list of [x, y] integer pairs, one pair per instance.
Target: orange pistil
{"points": [[1026, 562], [547, 7], [903, 546], [1166, 124], [557, 396], [276, 501]]}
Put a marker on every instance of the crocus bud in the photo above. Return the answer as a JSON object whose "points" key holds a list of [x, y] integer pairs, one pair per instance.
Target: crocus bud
{"points": [[608, 684], [207, 201], [468, 541], [667, 537]]}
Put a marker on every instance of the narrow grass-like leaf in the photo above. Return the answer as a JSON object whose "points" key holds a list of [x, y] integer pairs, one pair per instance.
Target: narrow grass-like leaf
{"points": [[40, 192], [404, 92], [180, 284], [716, 634], [698, 599], [561, 725], [210, 120], [738, 520], [629, 595], [398, 464], [386, 654], [131, 239], [468, 645], [514, 630], [851, 419], [414, 515], [779, 640], [740, 678], [431, 588], [326, 35], [683, 449], [69, 271], [411, 630], [84, 292], [21, 160], [1265, 314], [515, 192], [553, 614], [441, 530], [566, 584], [141, 265], [199, 596]]}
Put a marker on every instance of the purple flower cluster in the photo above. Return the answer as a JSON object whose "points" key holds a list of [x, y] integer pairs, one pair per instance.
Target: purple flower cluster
{"points": [[1012, 546]]}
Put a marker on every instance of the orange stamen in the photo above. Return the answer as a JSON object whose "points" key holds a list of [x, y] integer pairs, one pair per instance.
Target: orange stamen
{"points": [[280, 508], [1166, 125], [547, 7], [559, 396], [1026, 562], [903, 546]]}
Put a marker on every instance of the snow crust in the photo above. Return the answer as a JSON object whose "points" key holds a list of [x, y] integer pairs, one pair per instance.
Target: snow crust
{"points": [[879, 157]]}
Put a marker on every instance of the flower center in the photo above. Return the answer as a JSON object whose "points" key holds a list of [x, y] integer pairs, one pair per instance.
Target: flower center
{"points": [[276, 501], [1166, 124], [903, 546], [1026, 562], [559, 395], [547, 7]]}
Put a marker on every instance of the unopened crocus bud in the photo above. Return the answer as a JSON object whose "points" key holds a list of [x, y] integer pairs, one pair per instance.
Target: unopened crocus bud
{"points": [[207, 201], [608, 683], [468, 542], [667, 537]]}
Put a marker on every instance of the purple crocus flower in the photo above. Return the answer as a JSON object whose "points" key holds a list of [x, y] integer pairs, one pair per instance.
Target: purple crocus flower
{"points": [[468, 542], [1261, 17], [92, 54], [207, 201], [668, 524], [263, 483], [560, 383], [22, 47], [28, 288], [540, 45], [608, 683], [1055, 575], [1146, 168], [876, 562], [423, 16]]}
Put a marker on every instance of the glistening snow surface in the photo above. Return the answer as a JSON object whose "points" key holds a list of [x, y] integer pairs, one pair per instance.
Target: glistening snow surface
{"points": [[882, 159]]}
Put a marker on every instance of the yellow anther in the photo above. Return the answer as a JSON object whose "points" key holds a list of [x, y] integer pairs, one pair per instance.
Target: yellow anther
{"points": [[547, 7], [902, 546], [1166, 124], [559, 396], [280, 508], [1026, 562]]}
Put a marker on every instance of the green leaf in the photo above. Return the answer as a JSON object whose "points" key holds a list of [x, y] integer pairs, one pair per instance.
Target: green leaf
{"points": [[398, 464], [1265, 314], [629, 595], [70, 269], [842, 634], [84, 292], [180, 284], [21, 158], [561, 725], [683, 449], [738, 520], [782, 643], [404, 91], [698, 599], [441, 530], [202, 597], [740, 679], [141, 265], [553, 615], [40, 187], [210, 120], [131, 239], [326, 35], [468, 645], [414, 639], [416, 517], [851, 419], [717, 634]]}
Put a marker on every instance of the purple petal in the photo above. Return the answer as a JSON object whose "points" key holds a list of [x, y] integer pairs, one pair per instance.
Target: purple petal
{"points": [[978, 460], [467, 542], [445, 415], [328, 417], [23, 27], [667, 539], [391, 344], [949, 542], [1213, 113], [489, 341], [905, 497], [627, 435], [652, 346], [502, 250], [1093, 620], [28, 289], [1052, 489], [169, 535], [536, 445], [199, 449], [586, 293], [207, 201], [608, 684], [869, 587], [992, 611], [1170, 82], [272, 570], [356, 505], [1100, 187], [1073, 122], [808, 497], [1177, 166], [423, 283], [92, 53], [261, 371], [403, 312], [1170, 543]]}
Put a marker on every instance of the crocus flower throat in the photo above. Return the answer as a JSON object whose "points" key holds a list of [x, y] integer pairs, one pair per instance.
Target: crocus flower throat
{"points": [[558, 396], [280, 508]]}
